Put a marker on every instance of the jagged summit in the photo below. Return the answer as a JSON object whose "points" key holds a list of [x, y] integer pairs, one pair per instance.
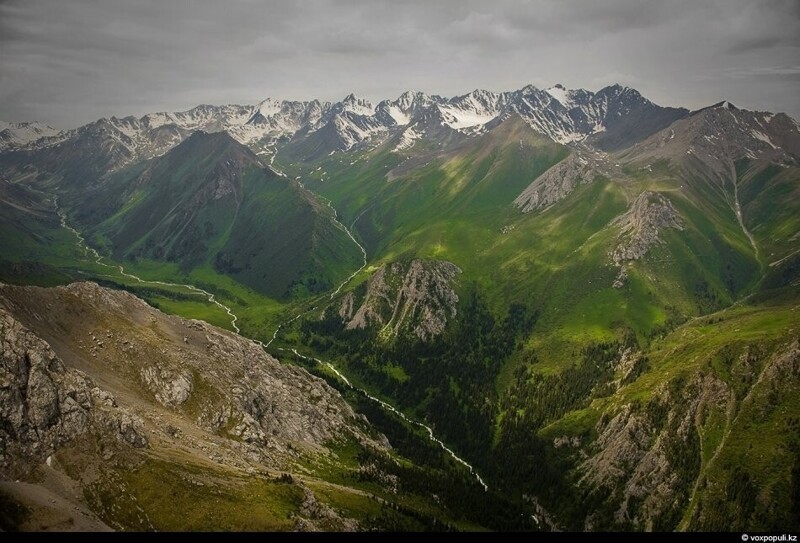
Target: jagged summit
{"points": [[724, 104], [566, 115]]}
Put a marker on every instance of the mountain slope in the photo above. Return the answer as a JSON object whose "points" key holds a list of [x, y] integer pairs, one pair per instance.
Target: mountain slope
{"points": [[144, 421], [583, 358], [15, 135], [210, 202], [133, 409]]}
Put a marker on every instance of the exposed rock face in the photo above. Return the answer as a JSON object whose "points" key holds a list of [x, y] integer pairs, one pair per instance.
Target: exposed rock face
{"points": [[99, 381], [316, 516], [43, 404], [640, 226], [656, 455], [223, 383], [169, 389], [707, 143], [417, 296], [636, 452], [556, 183]]}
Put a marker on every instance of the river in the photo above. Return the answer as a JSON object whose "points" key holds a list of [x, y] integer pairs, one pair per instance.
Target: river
{"points": [[98, 259]]}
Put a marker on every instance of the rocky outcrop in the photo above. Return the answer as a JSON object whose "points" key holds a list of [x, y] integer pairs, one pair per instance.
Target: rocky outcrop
{"points": [[652, 458], [417, 296], [640, 226], [44, 404], [315, 516], [556, 183], [98, 383], [221, 382], [169, 388]]}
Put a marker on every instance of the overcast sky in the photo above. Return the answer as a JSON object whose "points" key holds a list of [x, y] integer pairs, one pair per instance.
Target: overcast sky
{"points": [[68, 62]]}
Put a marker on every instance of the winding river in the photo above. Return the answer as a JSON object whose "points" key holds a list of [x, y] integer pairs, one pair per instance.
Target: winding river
{"points": [[391, 408], [99, 259]]}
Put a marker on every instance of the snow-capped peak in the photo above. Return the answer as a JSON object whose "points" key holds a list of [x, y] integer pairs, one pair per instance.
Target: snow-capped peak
{"points": [[405, 100], [13, 135], [411, 100], [359, 106], [269, 107], [472, 110], [561, 95]]}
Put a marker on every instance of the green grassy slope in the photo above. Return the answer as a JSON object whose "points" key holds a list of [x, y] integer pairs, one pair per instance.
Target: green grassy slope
{"points": [[455, 204], [210, 204]]}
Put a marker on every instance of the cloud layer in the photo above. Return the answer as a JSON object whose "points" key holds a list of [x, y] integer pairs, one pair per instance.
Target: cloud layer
{"points": [[68, 63]]}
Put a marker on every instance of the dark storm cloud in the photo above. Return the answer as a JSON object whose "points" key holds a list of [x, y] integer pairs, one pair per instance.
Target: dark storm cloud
{"points": [[69, 62]]}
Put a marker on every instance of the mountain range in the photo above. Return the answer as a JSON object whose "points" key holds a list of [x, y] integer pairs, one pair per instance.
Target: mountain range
{"points": [[613, 117], [589, 298]]}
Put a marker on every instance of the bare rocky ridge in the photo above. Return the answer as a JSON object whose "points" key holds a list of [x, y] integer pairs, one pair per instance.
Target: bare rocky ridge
{"points": [[640, 226], [82, 360], [417, 296], [45, 404], [652, 453], [634, 453], [556, 183], [581, 167], [709, 142]]}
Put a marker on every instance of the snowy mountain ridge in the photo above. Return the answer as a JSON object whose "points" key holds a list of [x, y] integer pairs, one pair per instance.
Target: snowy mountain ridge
{"points": [[614, 117]]}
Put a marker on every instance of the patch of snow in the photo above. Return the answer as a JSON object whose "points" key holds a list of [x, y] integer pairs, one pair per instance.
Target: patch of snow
{"points": [[762, 137], [268, 108], [459, 119], [407, 139], [127, 127], [562, 95], [399, 117]]}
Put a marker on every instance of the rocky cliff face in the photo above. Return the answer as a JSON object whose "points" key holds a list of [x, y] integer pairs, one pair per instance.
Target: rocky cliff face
{"points": [[556, 183], [44, 404], [91, 376], [417, 296], [640, 226], [638, 453], [665, 462], [221, 382]]}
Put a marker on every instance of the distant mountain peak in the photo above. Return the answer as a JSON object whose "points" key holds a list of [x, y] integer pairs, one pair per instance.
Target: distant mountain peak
{"points": [[358, 105], [723, 105], [15, 135], [613, 117], [561, 95], [528, 89], [269, 107]]}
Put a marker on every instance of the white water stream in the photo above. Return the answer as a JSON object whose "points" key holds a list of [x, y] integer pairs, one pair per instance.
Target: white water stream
{"points": [[81, 242]]}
